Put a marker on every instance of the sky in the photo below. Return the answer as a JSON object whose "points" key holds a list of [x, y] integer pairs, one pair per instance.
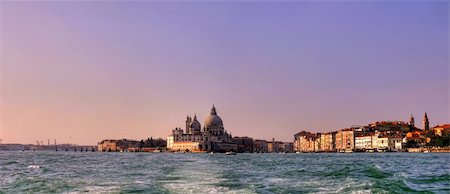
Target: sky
{"points": [[80, 72]]}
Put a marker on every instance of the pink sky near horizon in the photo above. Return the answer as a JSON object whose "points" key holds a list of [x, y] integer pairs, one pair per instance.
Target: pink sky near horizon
{"points": [[80, 72]]}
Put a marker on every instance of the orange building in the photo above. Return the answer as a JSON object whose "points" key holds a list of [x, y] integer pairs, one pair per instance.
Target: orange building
{"points": [[418, 136], [345, 140], [441, 130]]}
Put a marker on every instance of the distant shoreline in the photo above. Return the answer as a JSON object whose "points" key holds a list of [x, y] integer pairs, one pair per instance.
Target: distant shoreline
{"points": [[170, 152]]}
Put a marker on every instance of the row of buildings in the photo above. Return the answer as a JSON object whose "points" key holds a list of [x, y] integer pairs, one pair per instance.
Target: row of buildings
{"points": [[377, 136], [127, 145], [347, 140], [212, 137]]}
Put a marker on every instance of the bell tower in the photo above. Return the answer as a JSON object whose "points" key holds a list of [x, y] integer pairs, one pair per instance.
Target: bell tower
{"points": [[411, 122], [188, 124], [426, 123]]}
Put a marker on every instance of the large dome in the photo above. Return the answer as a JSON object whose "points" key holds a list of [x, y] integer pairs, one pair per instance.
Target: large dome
{"points": [[213, 120]]}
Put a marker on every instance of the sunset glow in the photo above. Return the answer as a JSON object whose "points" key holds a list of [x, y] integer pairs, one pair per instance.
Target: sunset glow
{"points": [[80, 72]]}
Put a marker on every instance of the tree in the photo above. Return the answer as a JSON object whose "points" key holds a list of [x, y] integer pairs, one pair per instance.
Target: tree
{"points": [[151, 142], [141, 144], [442, 141], [411, 144]]}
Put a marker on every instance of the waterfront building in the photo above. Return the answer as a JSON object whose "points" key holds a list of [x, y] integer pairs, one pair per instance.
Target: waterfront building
{"points": [[374, 137], [260, 146], [280, 145], [322, 142], [300, 140], [389, 142], [396, 141], [345, 140], [317, 143], [310, 145], [275, 146], [213, 136], [170, 141], [107, 145], [327, 142], [244, 144], [383, 142], [364, 142], [186, 146], [271, 147], [111, 145], [304, 142], [338, 141], [288, 147]]}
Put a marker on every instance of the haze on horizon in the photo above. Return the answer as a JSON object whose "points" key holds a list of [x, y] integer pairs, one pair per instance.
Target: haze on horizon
{"points": [[87, 71]]}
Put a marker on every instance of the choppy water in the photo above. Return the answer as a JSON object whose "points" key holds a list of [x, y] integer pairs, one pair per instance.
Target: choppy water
{"points": [[74, 172]]}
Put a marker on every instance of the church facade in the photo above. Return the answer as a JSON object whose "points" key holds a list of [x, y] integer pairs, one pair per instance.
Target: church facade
{"points": [[211, 138]]}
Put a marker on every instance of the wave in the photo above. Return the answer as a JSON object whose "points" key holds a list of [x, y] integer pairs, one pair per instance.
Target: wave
{"points": [[34, 166], [445, 178], [203, 173], [376, 172]]}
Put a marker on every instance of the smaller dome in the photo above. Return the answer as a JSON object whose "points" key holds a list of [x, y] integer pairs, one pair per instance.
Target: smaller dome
{"points": [[195, 125]]}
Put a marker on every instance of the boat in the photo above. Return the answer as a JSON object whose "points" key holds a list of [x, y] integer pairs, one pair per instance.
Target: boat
{"points": [[230, 153], [156, 151], [211, 152], [426, 151], [297, 152]]}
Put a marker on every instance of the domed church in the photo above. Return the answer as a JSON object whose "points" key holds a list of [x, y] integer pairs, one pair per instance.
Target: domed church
{"points": [[212, 137]]}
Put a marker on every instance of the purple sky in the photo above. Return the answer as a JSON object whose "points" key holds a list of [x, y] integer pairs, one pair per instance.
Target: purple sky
{"points": [[87, 71]]}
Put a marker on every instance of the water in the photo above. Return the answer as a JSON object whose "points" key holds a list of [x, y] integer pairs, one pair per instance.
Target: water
{"points": [[75, 172]]}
